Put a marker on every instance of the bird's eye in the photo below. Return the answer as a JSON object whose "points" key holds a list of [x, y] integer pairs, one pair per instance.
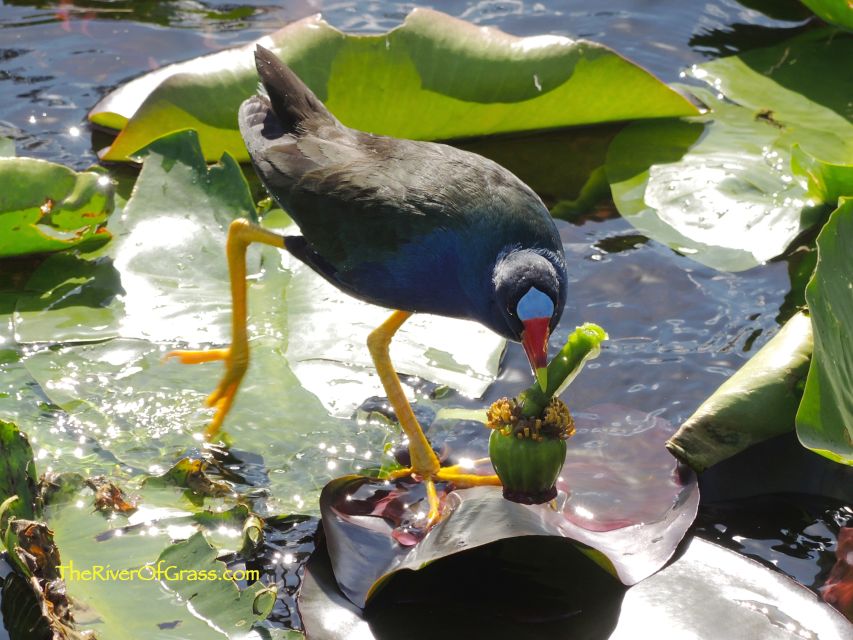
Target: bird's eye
{"points": [[534, 304]]}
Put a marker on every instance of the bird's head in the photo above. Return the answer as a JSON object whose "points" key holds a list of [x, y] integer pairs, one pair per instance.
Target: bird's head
{"points": [[530, 291]]}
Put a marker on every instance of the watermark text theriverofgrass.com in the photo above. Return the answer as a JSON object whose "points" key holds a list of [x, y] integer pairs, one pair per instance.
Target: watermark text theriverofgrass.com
{"points": [[149, 572]]}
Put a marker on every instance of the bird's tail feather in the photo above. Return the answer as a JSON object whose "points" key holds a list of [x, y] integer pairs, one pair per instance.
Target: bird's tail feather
{"points": [[291, 100]]}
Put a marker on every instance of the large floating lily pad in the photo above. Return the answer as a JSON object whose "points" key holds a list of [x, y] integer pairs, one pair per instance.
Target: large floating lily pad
{"points": [[528, 588], [434, 77], [48, 207], [630, 505], [728, 198], [825, 417]]}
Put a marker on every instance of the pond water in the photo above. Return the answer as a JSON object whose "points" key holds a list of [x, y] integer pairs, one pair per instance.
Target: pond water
{"points": [[678, 329]]}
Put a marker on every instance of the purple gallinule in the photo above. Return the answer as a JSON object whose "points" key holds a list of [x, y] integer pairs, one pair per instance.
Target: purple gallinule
{"points": [[411, 226]]}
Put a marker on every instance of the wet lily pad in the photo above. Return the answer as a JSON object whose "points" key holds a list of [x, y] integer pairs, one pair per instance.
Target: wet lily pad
{"points": [[48, 207], [201, 581], [825, 416], [122, 554], [630, 507], [434, 77], [728, 199], [825, 181], [17, 472], [707, 591]]}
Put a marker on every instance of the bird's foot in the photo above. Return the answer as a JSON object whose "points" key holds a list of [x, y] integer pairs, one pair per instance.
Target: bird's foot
{"points": [[460, 477], [236, 363]]}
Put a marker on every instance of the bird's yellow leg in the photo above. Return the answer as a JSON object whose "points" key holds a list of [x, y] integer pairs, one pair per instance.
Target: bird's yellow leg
{"points": [[424, 461], [241, 234], [425, 464]]}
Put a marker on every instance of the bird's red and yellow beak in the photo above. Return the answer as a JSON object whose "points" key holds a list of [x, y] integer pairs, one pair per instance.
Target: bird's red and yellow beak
{"points": [[534, 339]]}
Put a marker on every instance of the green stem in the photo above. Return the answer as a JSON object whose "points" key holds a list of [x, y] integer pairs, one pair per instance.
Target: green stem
{"points": [[582, 344]]}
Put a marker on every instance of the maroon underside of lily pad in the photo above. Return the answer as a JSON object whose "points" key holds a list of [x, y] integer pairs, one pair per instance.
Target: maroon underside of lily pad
{"points": [[620, 497]]}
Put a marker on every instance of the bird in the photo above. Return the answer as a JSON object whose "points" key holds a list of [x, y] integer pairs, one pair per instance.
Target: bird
{"points": [[413, 226]]}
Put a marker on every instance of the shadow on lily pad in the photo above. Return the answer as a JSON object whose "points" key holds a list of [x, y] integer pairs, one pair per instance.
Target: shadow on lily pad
{"points": [[537, 588]]}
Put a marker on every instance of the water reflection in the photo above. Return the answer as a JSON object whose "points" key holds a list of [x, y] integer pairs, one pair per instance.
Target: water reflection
{"points": [[792, 533]]}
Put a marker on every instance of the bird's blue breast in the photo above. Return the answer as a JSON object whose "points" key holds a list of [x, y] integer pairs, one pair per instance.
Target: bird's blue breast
{"points": [[442, 272]]}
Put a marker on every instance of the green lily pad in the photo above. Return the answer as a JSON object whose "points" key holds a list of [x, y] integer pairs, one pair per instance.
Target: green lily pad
{"points": [[69, 298], [434, 77], [48, 207], [825, 181], [202, 583], [758, 402], [17, 472], [170, 240], [833, 11], [825, 417], [728, 199], [108, 603]]}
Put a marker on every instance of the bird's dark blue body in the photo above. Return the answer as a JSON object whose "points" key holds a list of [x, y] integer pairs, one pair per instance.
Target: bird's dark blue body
{"points": [[408, 225]]}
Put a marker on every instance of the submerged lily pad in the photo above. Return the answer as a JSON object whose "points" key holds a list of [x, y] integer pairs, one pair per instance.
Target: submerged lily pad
{"points": [[48, 207], [434, 77], [728, 198], [825, 417], [630, 506]]}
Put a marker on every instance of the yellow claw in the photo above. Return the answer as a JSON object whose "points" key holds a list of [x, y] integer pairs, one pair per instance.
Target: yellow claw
{"points": [[445, 474]]}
